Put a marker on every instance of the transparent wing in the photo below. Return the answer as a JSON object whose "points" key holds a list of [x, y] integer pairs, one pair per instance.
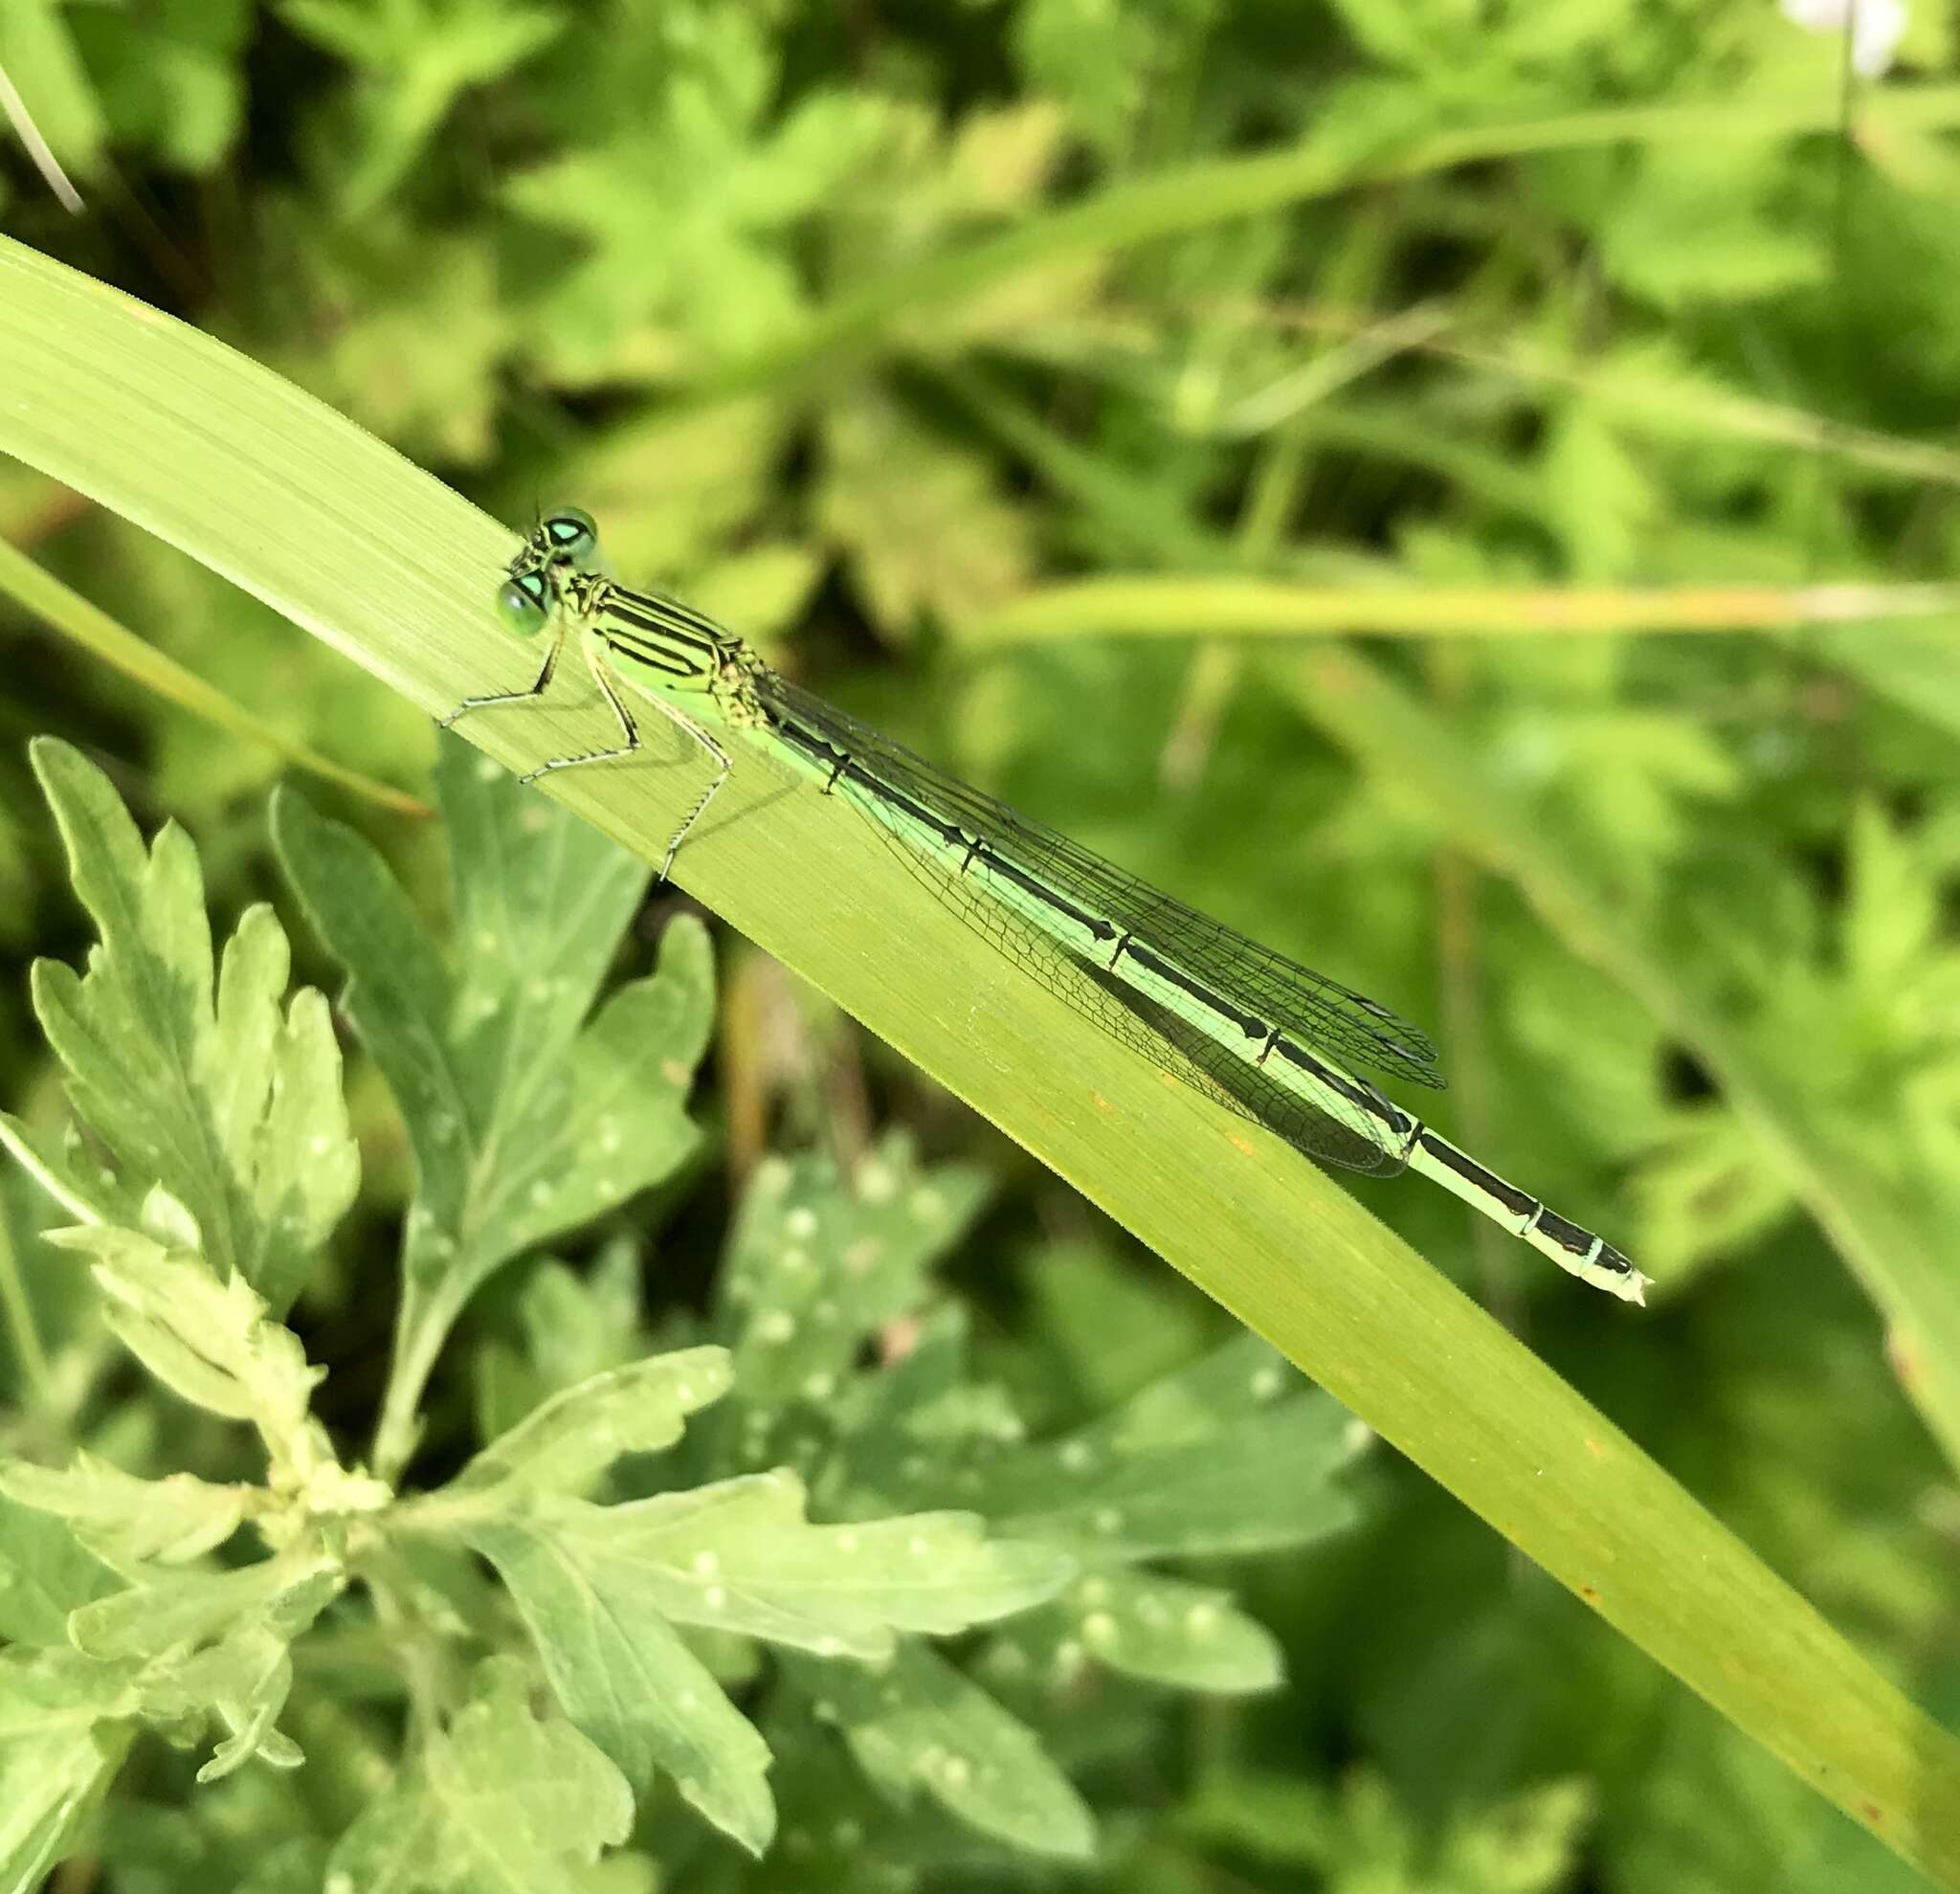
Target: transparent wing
{"points": [[1319, 1011]]}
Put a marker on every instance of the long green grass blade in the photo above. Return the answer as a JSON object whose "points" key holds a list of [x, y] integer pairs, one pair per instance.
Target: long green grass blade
{"points": [[313, 516], [1184, 607]]}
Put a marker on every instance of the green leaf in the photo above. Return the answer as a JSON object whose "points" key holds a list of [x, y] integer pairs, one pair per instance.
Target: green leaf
{"points": [[1166, 1476], [624, 1677], [1528, 1843], [64, 1725], [739, 1555], [921, 523], [125, 1519], [416, 57], [212, 1343], [564, 1445], [181, 1612], [170, 75], [525, 1123], [500, 1801], [1159, 1630], [918, 1725], [818, 1264], [204, 1089], [45, 1573], [574, 1326]]}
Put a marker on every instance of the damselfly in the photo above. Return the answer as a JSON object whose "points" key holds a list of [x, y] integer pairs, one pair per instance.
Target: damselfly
{"points": [[1282, 1045]]}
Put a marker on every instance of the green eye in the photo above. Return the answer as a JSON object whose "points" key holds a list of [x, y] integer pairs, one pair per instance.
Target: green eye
{"points": [[524, 604], [570, 533]]}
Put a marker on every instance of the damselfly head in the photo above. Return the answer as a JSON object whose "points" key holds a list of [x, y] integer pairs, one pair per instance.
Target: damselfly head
{"points": [[523, 602]]}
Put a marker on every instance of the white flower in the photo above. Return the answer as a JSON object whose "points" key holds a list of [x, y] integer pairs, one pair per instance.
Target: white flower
{"points": [[1875, 28]]}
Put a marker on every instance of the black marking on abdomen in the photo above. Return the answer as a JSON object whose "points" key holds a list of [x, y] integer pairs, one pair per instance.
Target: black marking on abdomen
{"points": [[1565, 1234], [1353, 1090], [1161, 969], [1610, 1259], [1520, 1203]]}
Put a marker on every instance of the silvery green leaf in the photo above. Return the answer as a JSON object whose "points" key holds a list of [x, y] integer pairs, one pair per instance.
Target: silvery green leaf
{"points": [[1160, 1629], [564, 1445], [181, 1612], [527, 1118], [211, 1341], [500, 1801], [574, 1324], [919, 1727], [818, 1263], [64, 1725], [741, 1555], [126, 1519], [1227, 1456], [195, 1076], [624, 1677]]}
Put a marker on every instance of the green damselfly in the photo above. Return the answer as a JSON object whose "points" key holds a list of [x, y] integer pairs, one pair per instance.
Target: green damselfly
{"points": [[1271, 1039]]}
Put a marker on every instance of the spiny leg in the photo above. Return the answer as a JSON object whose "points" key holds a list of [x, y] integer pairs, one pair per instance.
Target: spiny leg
{"points": [[628, 728], [677, 718], [537, 689]]}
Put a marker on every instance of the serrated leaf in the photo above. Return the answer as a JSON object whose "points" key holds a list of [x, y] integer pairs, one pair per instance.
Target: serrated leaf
{"points": [[201, 1084], [624, 1677], [525, 1120], [1223, 1456], [243, 1678], [1259, 1488], [564, 1444], [214, 1343], [918, 1726], [126, 1518], [500, 1801], [64, 1725]]}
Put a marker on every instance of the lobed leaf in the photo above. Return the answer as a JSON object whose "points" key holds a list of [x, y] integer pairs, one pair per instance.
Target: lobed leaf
{"points": [[123, 1518], [918, 1726], [501, 1799], [196, 1083], [565, 1443]]}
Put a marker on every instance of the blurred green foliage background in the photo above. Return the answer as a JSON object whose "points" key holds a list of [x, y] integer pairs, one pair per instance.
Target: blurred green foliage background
{"points": [[1666, 324]]}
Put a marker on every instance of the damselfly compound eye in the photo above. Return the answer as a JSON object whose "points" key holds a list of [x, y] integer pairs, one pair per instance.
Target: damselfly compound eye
{"points": [[570, 533], [524, 604]]}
